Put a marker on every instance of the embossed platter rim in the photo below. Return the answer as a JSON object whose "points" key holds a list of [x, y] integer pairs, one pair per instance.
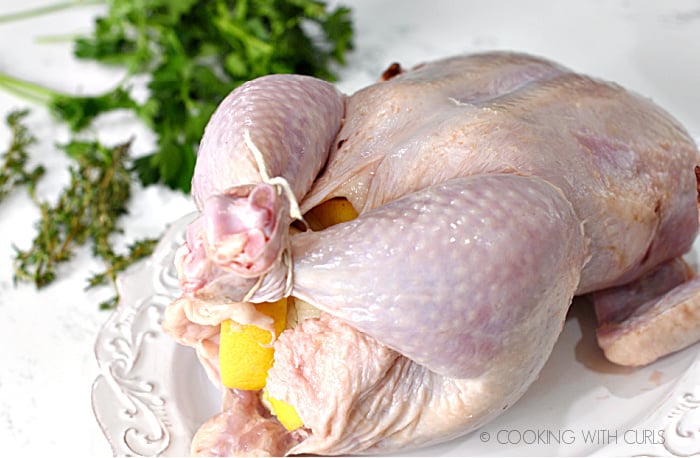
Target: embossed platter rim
{"points": [[151, 395]]}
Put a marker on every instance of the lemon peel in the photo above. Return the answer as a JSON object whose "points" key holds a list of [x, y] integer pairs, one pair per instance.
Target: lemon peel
{"points": [[285, 413], [245, 350]]}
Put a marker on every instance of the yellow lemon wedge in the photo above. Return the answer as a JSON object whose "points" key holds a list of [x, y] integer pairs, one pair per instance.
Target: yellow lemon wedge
{"points": [[285, 413], [245, 353], [330, 212]]}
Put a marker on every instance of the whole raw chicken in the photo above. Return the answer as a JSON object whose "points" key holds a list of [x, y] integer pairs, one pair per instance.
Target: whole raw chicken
{"points": [[491, 189]]}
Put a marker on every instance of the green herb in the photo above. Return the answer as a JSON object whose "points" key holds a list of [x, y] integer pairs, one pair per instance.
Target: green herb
{"points": [[52, 8], [77, 111], [13, 169], [117, 263], [194, 53], [87, 211]]}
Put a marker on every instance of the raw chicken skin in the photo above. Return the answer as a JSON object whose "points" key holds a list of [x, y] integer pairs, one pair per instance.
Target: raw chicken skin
{"points": [[444, 288], [490, 188]]}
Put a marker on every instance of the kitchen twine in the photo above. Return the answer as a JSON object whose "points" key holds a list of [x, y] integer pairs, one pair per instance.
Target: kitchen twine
{"points": [[282, 186]]}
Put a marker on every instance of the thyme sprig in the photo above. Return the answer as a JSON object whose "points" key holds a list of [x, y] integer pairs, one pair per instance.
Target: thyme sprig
{"points": [[87, 211], [13, 167]]}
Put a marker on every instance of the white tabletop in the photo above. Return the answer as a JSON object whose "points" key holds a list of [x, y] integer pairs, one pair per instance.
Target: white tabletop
{"points": [[47, 336]]}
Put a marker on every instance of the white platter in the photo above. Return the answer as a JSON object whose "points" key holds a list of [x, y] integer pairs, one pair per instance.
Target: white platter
{"points": [[152, 395]]}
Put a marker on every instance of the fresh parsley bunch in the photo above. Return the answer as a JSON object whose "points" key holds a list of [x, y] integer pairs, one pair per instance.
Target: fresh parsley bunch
{"points": [[193, 53], [196, 52]]}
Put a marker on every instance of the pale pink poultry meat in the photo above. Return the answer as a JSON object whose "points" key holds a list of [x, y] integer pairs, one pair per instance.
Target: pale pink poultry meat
{"points": [[491, 189]]}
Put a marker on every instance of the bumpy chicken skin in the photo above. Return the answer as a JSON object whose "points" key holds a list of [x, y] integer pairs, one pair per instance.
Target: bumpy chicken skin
{"points": [[490, 189]]}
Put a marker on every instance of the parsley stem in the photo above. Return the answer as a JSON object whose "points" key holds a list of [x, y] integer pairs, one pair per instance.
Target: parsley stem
{"points": [[232, 29], [53, 39], [22, 94], [24, 89], [241, 10], [47, 9]]}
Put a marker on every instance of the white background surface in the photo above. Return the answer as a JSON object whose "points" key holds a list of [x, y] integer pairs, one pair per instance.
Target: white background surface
{"points": [[46, 337]]}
